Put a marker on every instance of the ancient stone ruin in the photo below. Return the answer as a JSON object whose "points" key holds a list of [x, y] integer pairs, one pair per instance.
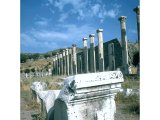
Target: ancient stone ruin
{"points": [[111, 55], [93, 77], [83, 97]]}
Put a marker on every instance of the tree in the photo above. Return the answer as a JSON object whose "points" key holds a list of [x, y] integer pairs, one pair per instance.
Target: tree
{"points": [[47, 55], [27, 70], [135, 59], [24, 57], [35, 56], [33, 70]]}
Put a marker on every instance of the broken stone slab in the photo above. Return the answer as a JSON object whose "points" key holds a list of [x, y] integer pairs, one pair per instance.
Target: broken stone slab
{"points": [[48, 98], [129, 91], [36, 87], [88, 97]]}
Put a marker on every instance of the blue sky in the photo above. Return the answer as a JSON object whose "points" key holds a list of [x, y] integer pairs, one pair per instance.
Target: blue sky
{"points": [[51, 24]]}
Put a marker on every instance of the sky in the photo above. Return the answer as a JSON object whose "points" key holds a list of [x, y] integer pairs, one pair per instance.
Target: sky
{"points": [[47, 25]]}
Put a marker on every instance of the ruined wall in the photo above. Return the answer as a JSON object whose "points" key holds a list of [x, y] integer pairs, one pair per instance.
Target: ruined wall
{"points": [[117, 53]]}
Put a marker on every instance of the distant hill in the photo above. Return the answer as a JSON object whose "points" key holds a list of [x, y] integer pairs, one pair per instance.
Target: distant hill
{"points": [[39, 61]]}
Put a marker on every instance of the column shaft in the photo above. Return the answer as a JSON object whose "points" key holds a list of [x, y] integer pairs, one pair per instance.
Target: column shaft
{"points": [[67, 62], [70, 62], [92, 54], [54, 66], [137, 11], [100, 50], [85, 53], [58, 63], [111, 56], [124, 43], [74, 59], [64, 63], [61, 64]]}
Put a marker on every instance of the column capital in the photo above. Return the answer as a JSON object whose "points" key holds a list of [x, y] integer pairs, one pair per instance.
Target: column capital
{"points": [[122, 18], [137, 10], [99, 30], [91, 35], [85, 39]]}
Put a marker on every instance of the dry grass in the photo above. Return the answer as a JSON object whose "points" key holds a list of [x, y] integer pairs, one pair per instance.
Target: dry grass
{"points": [[134, 70], [131, 102], [132, 82], [26, 93]]}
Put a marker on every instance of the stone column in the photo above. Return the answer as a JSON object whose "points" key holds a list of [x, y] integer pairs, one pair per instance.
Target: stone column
{"points": [[58, 61], [137, 11], [124, 44], [100, 50], [64, 62], [67, 63], [70, 62], [74, 59], [61, 64], [92, 54], [85, 53], [79, 64], [111, 57], [56, 65]]}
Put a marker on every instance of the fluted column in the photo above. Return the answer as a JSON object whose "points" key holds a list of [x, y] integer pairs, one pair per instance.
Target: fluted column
{"points": [[85, 53], [137, 11], [74, 59], [100, 50], [67, 62], [70, 61], [92, 54], [124, 43], [64, 62]]}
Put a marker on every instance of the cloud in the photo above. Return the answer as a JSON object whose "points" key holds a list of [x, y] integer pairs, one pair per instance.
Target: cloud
{"points": [[63, 17], [84, 10], [47, 35], [27, 40], [31, 44], [52, 11], [42, 22], [115, 11], [95, 9], [112, 13], [52, 39], [76, 4]]}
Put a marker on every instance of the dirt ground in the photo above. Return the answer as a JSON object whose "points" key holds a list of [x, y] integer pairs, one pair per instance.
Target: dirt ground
{"points": [[120, 113], [24, 113]]}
